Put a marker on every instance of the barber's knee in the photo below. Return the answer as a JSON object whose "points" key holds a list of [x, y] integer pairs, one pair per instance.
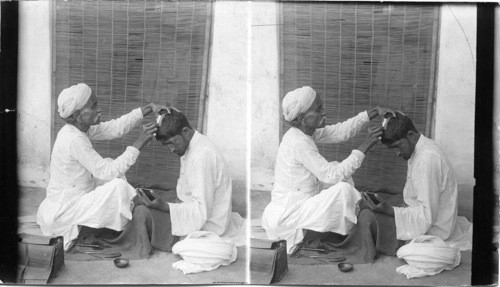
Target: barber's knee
{"points": [[121, 189], [342, 188], [119, 181], [119, 184]]}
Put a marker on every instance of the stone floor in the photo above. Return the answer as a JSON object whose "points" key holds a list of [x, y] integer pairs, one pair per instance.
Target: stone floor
{"points": [[158, 270], [381, 272], [155, 270]]}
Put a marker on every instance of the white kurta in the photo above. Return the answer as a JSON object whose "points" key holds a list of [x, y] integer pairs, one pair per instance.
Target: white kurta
{"points": [[296, 200], [72, 197], [431, 195], [205, 189]]}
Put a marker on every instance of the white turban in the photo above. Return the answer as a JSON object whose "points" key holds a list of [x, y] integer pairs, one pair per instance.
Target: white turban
{"points": [[72, 99], [297, 101]]}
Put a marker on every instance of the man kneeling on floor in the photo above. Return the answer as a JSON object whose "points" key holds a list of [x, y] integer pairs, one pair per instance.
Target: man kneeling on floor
{"points": [[429, 218], [204, 189]]}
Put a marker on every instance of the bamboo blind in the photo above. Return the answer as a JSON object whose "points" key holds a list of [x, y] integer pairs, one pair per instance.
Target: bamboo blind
{"points": [[358, 56], [131, 53]]}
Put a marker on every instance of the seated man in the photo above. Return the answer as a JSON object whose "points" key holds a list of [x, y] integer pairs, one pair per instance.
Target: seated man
{"points": [[297, 202], [73, 198], [204, 189], [430, 192]]}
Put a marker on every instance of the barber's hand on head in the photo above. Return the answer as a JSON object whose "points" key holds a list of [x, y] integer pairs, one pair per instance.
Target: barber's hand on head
{"points": [[379, 111], [169, 108], [381, 207], [146, 134], [155, 108], [374, 134]]}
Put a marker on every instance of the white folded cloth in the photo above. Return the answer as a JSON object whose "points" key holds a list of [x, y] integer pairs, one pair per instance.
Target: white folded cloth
{"points": [[203, 251], [427, 255]]}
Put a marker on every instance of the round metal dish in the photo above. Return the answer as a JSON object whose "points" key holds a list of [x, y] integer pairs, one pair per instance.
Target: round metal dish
{"points": [[345, 267], [120, 262]]}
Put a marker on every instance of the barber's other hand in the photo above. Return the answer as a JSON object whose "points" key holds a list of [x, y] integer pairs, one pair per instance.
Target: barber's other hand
{"points": [[146, 134], [380, 111], [167, 108], [156, 108], [374, 134]]}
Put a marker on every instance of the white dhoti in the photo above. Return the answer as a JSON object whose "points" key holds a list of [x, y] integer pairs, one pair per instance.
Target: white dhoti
{"points": [[108, 206], [331, 210]]}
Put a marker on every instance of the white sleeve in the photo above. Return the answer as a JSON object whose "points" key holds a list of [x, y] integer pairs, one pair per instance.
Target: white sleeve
{"points": [[116, 128], [413, 221], [85, 154], [343, 131], [190, 216], [329, 172]]}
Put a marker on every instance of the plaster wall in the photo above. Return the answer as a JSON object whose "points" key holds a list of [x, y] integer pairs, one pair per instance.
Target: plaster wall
{"points": [[456, 84], [455, 94], [265, 93], [230, 87], [227, 95], [226, 113], [34, 91]]}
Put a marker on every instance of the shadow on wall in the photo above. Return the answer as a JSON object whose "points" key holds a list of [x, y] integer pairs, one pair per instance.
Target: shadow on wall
{"points": [[465, 200], [240, 197]]}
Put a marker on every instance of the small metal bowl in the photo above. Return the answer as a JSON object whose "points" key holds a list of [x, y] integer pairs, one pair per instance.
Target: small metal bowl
{"points": [[120, 262], [345, 267]]}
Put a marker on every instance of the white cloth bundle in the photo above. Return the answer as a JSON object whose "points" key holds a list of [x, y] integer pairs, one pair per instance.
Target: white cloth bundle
{"points": [[72, 99], [297, 101], [427, 255], [203, 251]]}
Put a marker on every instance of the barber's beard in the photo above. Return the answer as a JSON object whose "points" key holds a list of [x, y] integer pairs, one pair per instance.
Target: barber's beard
{"points": [[179, 153], [322, 122], [97, 119]]}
